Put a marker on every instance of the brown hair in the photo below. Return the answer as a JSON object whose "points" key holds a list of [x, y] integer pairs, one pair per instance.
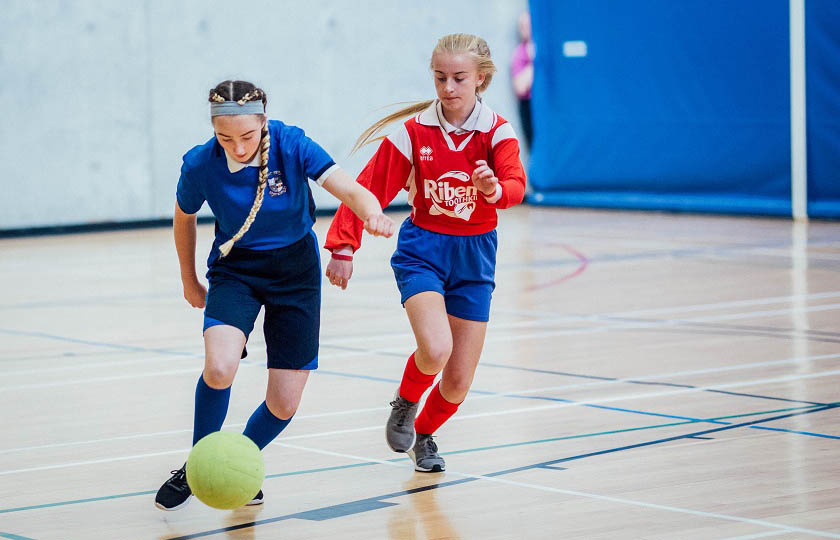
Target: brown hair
{"points": [[453, 44], [242, 92]]}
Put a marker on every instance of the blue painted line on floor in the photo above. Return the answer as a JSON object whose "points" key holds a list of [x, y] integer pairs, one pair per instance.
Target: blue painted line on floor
{"points": [[810, 433], [11, 536], [95, 343], [373, 503], [650, 383], [395, 460], [686, 436]]}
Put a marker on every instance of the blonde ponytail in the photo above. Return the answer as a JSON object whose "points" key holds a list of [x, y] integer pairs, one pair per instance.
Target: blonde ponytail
{"points": [[454, 44], [265, 145], [367, 135]]}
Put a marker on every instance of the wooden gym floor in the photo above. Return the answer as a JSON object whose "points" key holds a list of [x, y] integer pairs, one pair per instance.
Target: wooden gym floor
{"points": [[650, 376]]}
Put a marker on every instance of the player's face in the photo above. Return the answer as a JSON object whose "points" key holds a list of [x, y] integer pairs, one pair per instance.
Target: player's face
{"points": [[456, 79], [239, 134]]}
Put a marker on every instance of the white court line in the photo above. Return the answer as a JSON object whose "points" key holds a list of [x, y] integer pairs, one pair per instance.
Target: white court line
{"points": [[494, 337], [757, 535], [78, 366], [574, 493], [471, 416], [472, 398], [694, 307], [656, 324], [146, 360]]}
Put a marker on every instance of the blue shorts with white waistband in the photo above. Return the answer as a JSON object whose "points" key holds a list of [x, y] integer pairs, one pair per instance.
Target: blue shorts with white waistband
{"points": [[287, 281], [461, 268]]}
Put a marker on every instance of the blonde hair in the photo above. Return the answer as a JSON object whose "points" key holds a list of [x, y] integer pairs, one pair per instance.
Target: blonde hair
{"points": [[227, 91], [475, 46]]}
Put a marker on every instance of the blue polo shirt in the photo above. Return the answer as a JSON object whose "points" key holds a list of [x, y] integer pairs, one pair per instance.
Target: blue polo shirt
{"points": [[288, 210]]}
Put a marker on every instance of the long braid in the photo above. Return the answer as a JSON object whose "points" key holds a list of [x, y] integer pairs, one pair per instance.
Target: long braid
{"points": [[258, 200]]}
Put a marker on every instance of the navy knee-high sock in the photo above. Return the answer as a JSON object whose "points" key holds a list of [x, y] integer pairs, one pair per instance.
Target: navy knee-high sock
{"points": [[263, 426], [211, 407]]}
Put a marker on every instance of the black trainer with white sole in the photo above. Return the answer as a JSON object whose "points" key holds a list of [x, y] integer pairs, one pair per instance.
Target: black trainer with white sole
{"points": [[175, 493]]}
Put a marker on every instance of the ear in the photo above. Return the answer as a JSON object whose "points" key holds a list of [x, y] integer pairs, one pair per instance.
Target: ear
{"points": [[480, 80]]}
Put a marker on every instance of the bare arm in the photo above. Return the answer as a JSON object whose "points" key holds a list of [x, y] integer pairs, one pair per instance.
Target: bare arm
{"points": [[184, 230], [361, 201]]}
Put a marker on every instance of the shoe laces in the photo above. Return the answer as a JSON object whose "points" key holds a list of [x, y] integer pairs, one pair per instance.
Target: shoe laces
{"points": [[179, 475], [430, 445], [401, 407]]}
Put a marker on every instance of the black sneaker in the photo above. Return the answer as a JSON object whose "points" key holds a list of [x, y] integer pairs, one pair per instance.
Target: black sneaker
{"points": [[258, 499], [175, 493]]}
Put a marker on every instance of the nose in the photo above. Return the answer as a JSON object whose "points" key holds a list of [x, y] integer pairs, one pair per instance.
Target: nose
{"points": [[239, 149]]}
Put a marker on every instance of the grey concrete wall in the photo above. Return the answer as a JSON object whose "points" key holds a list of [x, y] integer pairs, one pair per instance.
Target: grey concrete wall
{"points": [[102, 98]]}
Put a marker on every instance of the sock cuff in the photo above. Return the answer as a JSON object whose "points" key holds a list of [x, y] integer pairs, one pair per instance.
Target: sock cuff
{"points": [[414, 374], [440, 401], [202, 384]]}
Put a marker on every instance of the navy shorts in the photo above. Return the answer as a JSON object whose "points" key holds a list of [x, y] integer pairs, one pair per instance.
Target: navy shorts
{"points": [[287, 281], [461, 268]]}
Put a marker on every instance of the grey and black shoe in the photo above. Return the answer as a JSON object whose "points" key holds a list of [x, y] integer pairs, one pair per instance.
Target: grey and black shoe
{"points": [[175, 493], [399, 431], [425, 455]]}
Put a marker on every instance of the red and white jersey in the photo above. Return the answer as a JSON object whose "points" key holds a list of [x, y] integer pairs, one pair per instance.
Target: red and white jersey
{"points": [[434, 162]]}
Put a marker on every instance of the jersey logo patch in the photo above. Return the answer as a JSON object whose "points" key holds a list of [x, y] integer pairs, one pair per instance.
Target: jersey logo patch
{"points": [[426, 154], [453, 201], [275, 184]]}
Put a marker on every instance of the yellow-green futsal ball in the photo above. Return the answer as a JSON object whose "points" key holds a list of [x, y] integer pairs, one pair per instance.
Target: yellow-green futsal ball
{"points": [[225, 470]]}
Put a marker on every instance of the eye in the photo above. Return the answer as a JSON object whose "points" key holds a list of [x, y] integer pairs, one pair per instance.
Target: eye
{"points": [[459, 80], [441, 79]]}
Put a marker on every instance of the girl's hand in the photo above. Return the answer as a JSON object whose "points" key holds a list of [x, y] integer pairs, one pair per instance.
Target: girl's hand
{"points": [[379, 225], [195, 293], [484, 179], [339, 272]]}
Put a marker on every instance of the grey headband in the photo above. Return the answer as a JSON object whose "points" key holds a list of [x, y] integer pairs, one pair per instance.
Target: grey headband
{"points": [[227, 108]]}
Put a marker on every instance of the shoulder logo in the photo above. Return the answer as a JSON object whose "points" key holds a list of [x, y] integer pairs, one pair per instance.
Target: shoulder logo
{"points": [[426, 154]]}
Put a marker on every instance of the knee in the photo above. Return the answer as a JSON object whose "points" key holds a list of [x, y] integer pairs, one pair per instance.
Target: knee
{"points": [[281, 406], [436, 355], [455, 387], [218, 375]]}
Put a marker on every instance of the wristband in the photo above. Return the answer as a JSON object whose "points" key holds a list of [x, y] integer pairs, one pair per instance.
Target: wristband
{"points": [[338, 257]]}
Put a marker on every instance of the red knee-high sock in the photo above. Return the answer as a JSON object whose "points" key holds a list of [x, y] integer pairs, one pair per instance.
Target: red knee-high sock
{"points": [[414, 381], [436, 411]]}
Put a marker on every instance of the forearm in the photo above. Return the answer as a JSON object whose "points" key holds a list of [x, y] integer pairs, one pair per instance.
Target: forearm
{"points": [[361, 201], [184, 230]]}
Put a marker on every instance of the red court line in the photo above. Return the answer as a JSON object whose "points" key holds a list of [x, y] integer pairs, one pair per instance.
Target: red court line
{"points": [[584, 262]]}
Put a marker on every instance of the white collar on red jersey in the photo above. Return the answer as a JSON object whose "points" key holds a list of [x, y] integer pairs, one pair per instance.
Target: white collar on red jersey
{"points": [[482, 118]]}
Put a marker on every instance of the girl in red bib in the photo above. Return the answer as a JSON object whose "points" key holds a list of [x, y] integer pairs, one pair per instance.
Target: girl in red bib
{"points": [[459, 162]]}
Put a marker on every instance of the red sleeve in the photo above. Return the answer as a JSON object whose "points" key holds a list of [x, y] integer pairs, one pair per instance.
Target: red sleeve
{"points": [[510, 173], [384, 175]]}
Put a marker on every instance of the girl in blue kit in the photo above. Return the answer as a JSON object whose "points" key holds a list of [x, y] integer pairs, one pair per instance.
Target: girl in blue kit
{"points": [[253, 175]]}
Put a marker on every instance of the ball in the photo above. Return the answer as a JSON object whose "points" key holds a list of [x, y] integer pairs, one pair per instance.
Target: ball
{"points": [[225, 470]]}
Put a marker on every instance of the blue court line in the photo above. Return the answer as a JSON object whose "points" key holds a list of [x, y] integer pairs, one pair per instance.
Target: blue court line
{"points": [[686, 328], [636, 381], [452, 452], [374, 503], [94, 343], [605, 407], [14, 536]]}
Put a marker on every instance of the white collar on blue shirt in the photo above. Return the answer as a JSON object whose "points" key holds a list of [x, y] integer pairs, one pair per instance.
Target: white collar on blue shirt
{"points": [[235, 166], [482, 118]]}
